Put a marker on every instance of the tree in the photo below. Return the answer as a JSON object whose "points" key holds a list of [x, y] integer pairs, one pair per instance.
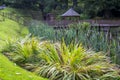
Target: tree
{"points": [[104, 6], [75, 3], [46, 6], [1, 2]]}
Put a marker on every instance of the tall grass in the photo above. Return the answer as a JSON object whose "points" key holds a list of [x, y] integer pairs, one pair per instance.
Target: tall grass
{"points": [[23, 50], [73, 62], [41, 30], [91, 38], [10, 71], [58, 61]]}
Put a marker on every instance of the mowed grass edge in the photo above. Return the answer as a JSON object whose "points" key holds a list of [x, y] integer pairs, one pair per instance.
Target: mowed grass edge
{"points": [[9, 71]]}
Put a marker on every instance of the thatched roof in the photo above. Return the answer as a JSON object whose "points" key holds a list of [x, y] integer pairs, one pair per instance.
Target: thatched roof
{"points": [[70, 13]]}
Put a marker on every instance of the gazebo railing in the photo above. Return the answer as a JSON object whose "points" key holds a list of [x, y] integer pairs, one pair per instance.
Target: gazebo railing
{"points": [[102, 23]]}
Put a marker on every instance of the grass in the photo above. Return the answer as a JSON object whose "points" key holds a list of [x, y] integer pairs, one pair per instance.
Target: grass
{"points": [[26, 13], [73, 62], [11, 29], [79, 33], [10, 71], [58, 61]]}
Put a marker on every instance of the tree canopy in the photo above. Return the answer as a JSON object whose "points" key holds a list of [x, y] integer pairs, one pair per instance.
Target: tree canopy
{"points": [[106, 7], [93, 8]]}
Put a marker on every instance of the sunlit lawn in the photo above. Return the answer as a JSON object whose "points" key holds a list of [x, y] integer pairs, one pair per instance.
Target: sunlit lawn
{"points": [[11, 29], [8, 70]]}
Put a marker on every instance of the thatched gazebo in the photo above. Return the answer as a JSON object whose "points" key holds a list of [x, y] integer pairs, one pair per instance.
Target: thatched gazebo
{"points": [[71, 15]]}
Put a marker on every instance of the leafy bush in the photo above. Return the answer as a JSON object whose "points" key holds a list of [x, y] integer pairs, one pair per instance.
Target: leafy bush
{"points": [[27, 47], [83, 33], [73, 62], [24, 50], [41, 30], [9, 45], [48, 33], [61, 61]]}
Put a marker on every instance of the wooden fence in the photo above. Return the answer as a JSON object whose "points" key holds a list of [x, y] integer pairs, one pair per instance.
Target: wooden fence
{"points": [[23, 20], [104, 25], [62, 23]]}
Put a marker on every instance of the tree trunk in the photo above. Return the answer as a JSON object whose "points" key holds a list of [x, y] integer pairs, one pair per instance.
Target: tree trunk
{"points": [[42, 11]]}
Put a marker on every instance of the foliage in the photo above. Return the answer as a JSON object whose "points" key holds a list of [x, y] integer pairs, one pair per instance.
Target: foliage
{"points": [[9, 45], [73, 62], [10, 29], [8, 70], [23, 51], [48, 33], [61, 61], [25, 14], [104, 8], [39, 29], [91, 38], [27, 47]]}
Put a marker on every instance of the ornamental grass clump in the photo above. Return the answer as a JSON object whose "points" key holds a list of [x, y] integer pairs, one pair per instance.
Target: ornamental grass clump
{"points": [[23, 50], [73, 62], [27, 49], [40, 29]]}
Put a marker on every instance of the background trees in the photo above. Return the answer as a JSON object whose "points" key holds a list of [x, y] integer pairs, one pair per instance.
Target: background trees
{"points": [[105, 8], [93, 8]]}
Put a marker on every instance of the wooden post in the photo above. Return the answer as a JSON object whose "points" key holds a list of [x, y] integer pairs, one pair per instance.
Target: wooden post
{"points": [[3, 16]]}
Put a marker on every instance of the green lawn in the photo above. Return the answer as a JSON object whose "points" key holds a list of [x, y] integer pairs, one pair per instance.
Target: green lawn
{"points": [[10, 29], [8, 70]]}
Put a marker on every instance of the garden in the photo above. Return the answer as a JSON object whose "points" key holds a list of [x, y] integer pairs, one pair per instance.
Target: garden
{"points": [[65, 54], [31, 49]]}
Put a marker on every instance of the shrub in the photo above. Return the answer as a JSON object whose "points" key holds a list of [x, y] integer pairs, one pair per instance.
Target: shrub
{"points": [[24, 50], [73, 62], [27, 47], [9, 45], [42, 30], [83, 33]]}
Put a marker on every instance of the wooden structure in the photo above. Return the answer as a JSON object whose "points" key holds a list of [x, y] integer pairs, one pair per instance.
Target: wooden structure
{"points": [[3, 6], [50, 17], [111, 28], [101, 23], [71, 15]]}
